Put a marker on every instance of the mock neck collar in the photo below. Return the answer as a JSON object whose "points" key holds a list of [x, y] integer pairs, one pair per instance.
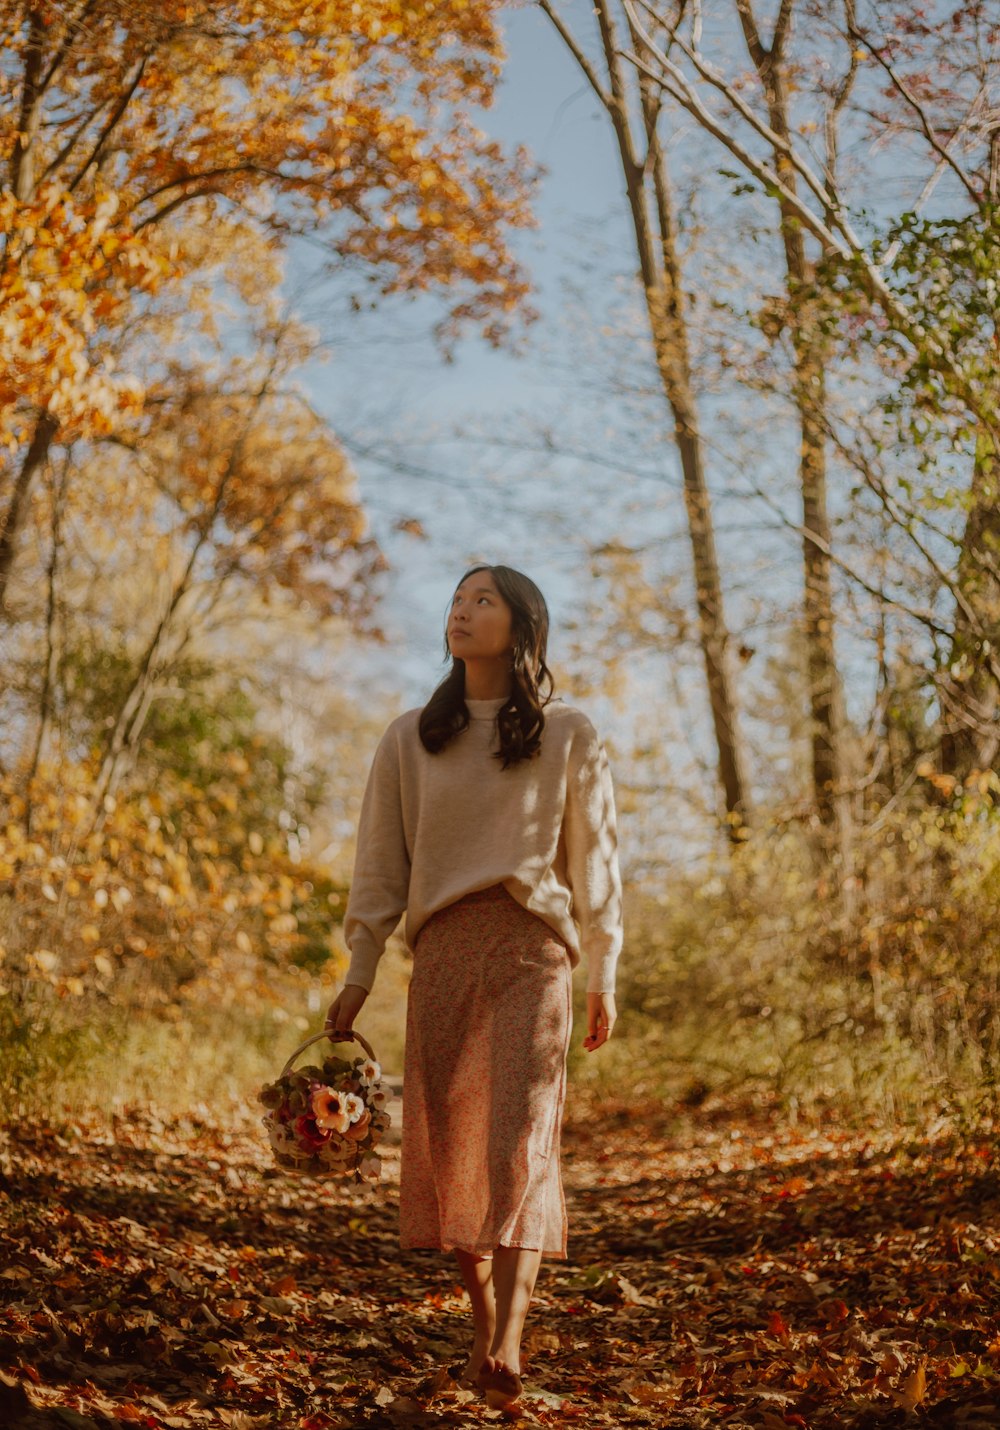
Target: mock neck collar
{"points": [[485, 709]]}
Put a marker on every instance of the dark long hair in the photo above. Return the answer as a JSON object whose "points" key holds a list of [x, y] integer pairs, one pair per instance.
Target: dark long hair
{"points": [[521, 719]]}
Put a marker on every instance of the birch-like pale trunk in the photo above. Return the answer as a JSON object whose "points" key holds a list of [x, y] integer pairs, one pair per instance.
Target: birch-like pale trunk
{"points": [[809, 396], [650, 203]]}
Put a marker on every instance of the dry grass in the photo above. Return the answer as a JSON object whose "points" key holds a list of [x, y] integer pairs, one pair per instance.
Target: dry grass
{"points": [[740, 984]]}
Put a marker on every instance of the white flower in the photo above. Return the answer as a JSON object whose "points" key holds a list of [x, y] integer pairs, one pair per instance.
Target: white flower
{"points": [[369, 1071], [353, 1106], [280, 1137], [378, 1097]]}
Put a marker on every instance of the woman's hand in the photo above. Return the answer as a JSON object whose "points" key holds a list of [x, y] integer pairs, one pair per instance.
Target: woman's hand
{"points": [[345, 1008], [601, 1016]]}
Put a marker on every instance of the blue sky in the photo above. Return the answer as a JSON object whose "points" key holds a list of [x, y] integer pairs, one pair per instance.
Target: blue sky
{"points": [[584, 373], [388, 387]]}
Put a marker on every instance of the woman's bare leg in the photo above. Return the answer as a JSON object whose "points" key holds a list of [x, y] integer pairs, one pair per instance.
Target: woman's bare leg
{"points": [[515, 1270], [477, 1272]]}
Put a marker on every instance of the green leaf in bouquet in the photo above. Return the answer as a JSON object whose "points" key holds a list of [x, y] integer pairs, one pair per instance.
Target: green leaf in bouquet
{"points": [[270, 1096]]}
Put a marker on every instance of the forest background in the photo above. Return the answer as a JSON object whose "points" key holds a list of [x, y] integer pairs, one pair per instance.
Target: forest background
{"points": [[695, 324]]}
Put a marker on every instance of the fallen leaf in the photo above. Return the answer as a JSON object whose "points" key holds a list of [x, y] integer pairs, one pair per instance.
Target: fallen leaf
{"points": [[913, 1389]]}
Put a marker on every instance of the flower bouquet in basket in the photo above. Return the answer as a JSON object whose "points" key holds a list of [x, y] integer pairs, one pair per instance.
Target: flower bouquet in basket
{"points": [[326, 1120]]}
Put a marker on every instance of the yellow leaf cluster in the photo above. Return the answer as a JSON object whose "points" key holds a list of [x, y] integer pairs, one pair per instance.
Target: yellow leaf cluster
{"points": [[92, 902], [64, 281]]}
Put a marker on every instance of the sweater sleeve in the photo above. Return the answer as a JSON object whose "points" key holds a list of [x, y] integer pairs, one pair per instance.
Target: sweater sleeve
{"points": [[592, 859], [381, 878]]}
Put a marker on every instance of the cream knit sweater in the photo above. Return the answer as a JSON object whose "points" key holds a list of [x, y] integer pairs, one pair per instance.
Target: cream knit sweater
{"points": [[435, 827]]}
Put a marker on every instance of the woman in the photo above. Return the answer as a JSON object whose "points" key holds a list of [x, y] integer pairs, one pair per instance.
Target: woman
{"points": [[489, 819]]}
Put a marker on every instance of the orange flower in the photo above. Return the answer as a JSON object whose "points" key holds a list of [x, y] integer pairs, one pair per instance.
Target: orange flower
{"points": [[329, 1110], [358, 1129]]}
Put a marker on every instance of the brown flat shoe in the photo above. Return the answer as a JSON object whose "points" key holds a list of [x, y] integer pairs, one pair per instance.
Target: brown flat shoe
{"points": [[501, 1385]]}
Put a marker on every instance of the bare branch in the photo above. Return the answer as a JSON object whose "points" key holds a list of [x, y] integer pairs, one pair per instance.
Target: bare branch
{"points": [[685, 96], [934, 178], [925, 618], [906, 94], [829, 199], [570, 42], [114, 120], [751, 34], [840, 97], [838, 235], [781, 27]]}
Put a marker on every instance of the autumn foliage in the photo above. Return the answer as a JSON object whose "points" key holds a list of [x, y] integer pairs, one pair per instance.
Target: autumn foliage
{"points": [[125, 133], [184, 555], [307, 118], [169, 494], [171, 877], [66, 279]]}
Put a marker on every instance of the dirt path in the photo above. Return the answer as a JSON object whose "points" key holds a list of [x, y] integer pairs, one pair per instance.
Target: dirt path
{"points": [[726, 1269]]}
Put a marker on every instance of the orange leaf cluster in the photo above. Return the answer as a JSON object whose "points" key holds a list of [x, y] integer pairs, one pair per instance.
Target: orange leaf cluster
{"points": [[340, 120], [69, 271]]}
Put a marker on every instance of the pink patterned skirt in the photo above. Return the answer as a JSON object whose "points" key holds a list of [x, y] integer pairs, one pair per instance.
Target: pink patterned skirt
{"points": [[488, 1023]]}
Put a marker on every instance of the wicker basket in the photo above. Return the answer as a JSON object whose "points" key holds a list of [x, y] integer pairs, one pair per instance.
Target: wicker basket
{"points": [[326, 1121]]}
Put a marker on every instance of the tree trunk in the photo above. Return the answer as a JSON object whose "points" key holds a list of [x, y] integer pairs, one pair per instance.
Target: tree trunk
{"points": [[970, 696], [809, 394], [34, 458], [713, 635], [50, 678], [23, 157], [659, 266], [818, 617]]}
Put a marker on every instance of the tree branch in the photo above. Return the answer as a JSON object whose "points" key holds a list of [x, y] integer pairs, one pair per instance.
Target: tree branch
{"points": [[751, 34], [781, 28], [840, 97], [73, 29], [900, 86], [685, 96], [575, 50], [115, 118], [838, 234], [829, 200]]}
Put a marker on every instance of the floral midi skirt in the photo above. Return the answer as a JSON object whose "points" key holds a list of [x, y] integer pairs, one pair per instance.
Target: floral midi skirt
{"points": [[488, 1023]]}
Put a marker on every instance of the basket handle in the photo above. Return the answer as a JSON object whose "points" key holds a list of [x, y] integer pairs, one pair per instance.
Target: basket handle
{"points": [[317, 1037]]}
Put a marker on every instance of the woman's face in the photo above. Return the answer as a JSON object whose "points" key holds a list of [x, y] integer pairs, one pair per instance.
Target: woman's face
{"points": [[479, 623]]}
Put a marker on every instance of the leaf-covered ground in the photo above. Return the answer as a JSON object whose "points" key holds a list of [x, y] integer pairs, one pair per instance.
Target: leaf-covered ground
{"points": [[726, 1269]]}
